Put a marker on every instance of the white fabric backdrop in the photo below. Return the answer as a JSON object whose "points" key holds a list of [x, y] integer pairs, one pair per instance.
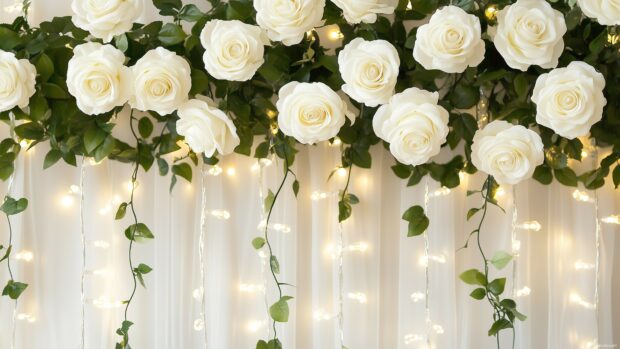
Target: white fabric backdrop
{"points": [[387, 273]]}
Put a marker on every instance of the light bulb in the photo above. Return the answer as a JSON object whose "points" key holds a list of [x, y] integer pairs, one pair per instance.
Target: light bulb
{"points": [[358, 247], [582, 196], [491, 12], [220, 214], [231, 171], [101, 244], [254, 326], [24, 255], [581, 265], [250, 288], [443, 191], [411, 338], [341, 171], [530, 225], [197, 293], [525, 291], [199, 325], [335, 34], [322, 315], [336, 142], [575, 298], [499, 193], [358, 296], [417, 296], [438, 329], [613, 219], [215, 170], [66, 200]]}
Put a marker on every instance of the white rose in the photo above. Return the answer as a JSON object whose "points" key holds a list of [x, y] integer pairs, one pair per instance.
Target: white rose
{"points": [[414, 125], [451, 41], [606, 12], [289, 20], [356, 11], [106, 19], [369, 70], [161, 82], [310, 112], [17, 81], [206, 129], [529, 32], [233, 50], [507, 152], [98, 78], [570, 100]]}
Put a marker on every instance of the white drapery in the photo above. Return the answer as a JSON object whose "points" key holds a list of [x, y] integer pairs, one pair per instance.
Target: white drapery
{"points": [[384, 273]]}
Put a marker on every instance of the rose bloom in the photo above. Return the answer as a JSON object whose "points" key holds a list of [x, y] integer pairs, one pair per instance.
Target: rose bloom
{"points": [[206, 129], [606, 12], [529, 32], [17, 81], [510, 153], [369, 70], [310, 112], [414, 125], [161, 82], [356, 11], [570, 100], [288, 21], [98, 78], [106, 19], [233, 50], [451, 41]]}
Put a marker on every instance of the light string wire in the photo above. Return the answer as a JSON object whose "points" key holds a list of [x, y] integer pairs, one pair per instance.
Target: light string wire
{"points": [[513, 239], [427, 310], [597, 237], [341, 284], [262, 218], [83, 271], [9, 189], [201, 250]]}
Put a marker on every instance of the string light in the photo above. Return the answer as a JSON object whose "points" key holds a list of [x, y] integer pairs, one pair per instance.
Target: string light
{"points": [[199, 325], [530, 225], [443, 191], [613, 38], [516, 246], [438, 329], [341, 171], [271, 113], [576, 299], [358, 296], [322, 315], [462, 175], [279, 227], [581, 265], [110, 206], [197, 293], [24, 255], [335, 34], [274, 128], [106, 303], [613, 219], [435, 258], [336, 142], [582, 196], [321, 195], [357, 247], [220, 214], [231, 171], [523, 292], [417, 296], [129, 185], [254, 325], [251, 288], [215, 171], [491, 12], [499, 193], [26, 317], [101, 244], [412, 338]]}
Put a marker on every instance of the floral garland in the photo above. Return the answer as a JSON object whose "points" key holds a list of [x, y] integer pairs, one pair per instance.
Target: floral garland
{"points": [[547, 72]]}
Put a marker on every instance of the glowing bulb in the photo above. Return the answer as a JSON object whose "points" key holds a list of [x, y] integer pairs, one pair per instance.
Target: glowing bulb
{"points": [[197, 293], [582, 196], [66, 200], [336, 142], [462, 175], [613, 38], [274, 128], [613, 219], [409, 6], [411, 338], [530, 225], [74, 189], [358, 296], [500, 192], [525, 291], [581, 265], [443, 191], [231, 171], [105, 303], [101, 244], [265, 162], [93, 162], [322, 315], [220, 214], [321, 195], [215, 170], [262, 254], [129, 185], [516, 246], [26, 317], [199, 325], [250, 288], [584, 154], [271, 114], [341, 171], [417, 296], [254, 326], [24, 255], [435, 258], [491, 12], [333, 251], [335, 34], [576, 299], [358, 247], [438, 329]]}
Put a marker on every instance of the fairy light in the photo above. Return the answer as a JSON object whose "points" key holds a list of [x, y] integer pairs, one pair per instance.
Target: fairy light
{"points": [[491, 12], [516, 246], [93, 162], [101, 244], [358, 296], [358, 247], [613, 219], [341, 171], [581, 265], [417, 297], [523, 292], [462, 175], [130, 186], [322, 315], [26, 317], [199, 325], [584, 154], [409, 6], [423, 260], [231, 171], [197, 293], [438, 329], [274, 128], [412, 338], [110, 206], [254, 325], [279, 227], [499, 193], [271, 113], [24, 255], [321, 195], [575, 298], [443, 191], [220, 214], [251, 288], [335, 34], [582, 196], [67, 200], [98, 272], [530, 225], [336, 142], [106, 303], [215, 171], [613, 38], [262, 254]]}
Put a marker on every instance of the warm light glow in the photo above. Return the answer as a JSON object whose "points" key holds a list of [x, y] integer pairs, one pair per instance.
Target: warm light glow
{"points": [[581, 265], [499, 193], [322, 315], [74, 189], [530, 225], [262, 254], [613, 38], [412, 338], [582, 196], [341, 171], [66, 200], [26, 317], [321, 195], [491, 12], [358, 296], [613, 219], [215, 170], [220, 214], [93, 162], [24, 255], [199, 325], [438, 329], [251, 288], [274, 128], [358, 247], [462, 175], [336, 142], [335, 34], [525, 291], [197, 293], [98, 272], [575, 298], [254, 326], [443, 191], [106, 303], [584, 154], [271, 113], [231, 171], [129, 185], [435, 258], [516, 246], [101, 244], [417, 296]]}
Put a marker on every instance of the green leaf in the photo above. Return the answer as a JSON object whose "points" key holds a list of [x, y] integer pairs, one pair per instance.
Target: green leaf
{"points": [[401, 171], [274, 264], [13, 207], [543, 174], [171, 34], [296, 187], [566, 176], [30, 130], [163, 166], [418, 222], [14, 289], [258, 243], [497, 286], [344, 210], [499, 325], [478, 293], [51, 158], [472, 212], [145, 127], [143, 268], [616, 176], [279, 311], [120, 213], [8, 39], [522, 86], [501, 259], [190, 13], [93, 137], [473, 277], [45, 67], [268, 202], [7, 254], [184, 170], [137, 231]]}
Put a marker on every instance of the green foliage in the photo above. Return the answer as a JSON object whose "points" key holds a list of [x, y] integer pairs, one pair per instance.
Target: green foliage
{"points": [[12, 206], [279, 311], [14, 289], [418, 222]]}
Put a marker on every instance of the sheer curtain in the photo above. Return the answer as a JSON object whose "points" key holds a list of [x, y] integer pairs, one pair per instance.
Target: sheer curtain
{"points": [[383, 271]]}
